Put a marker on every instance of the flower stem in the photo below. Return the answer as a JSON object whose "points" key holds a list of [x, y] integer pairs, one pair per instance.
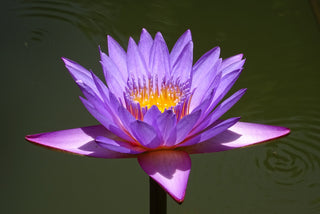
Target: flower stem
{"points": [[158, 198]]}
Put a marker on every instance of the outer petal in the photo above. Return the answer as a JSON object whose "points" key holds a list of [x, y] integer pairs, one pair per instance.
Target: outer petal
{"points": [[204, 74], [118, 146], [182, 68], [240, 135], [212, 131], [79, 73], [233, 67], [225, 85], [115, 80], [226, 62], [179, 46], [170, 169], [78, 141], [118, 56], [212, 116]]}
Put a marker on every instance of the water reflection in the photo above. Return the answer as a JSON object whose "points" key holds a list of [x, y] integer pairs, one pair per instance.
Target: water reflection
{"points": [[97, 18], [91, 18]]}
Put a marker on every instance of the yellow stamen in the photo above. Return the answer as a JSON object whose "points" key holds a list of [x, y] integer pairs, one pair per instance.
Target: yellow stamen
{"points": [[169, 96]]}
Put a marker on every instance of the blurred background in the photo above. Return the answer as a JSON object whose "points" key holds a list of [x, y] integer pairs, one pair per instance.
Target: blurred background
{"points": [[280, 40]]}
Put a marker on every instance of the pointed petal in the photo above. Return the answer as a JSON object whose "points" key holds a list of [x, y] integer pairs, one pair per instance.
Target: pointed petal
{"points": [[78, 141], [216, 129], [225, 85], [166, 124], [233, 67], [226, 62], [170, 169], [203, 67], [179, 46], [145, 45], [135, 61], [145, 134], [240, 135], [118, 146], [151, 115], [104, 120], [204, 75], [219, 111], [118, 56], [182, 68], [79, 73], [115, 80], [125, 117], [159, 59], [186, 124]]}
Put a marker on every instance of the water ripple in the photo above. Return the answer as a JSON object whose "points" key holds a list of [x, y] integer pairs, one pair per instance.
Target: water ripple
{"points": [[294, 161]]}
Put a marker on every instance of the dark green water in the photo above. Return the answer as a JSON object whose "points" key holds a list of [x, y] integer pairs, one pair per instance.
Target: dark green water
{"points": [[279, 38]]}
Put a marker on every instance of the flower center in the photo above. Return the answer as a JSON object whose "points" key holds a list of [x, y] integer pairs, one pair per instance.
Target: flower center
{"points": [[142, 95], [167, 97]]}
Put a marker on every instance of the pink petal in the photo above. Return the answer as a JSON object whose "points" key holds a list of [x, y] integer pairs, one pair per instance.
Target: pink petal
{"points": [[240, 135], [78, 141], [170, 169]]}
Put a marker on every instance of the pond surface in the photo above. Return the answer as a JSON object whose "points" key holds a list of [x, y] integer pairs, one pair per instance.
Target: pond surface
{"points": [[280, 40]]}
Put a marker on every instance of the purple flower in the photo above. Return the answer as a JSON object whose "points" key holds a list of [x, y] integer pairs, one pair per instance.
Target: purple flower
{"points": [[158, 107]]}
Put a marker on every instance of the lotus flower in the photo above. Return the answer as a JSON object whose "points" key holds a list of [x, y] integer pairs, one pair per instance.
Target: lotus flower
{"points": [[159, 108]]}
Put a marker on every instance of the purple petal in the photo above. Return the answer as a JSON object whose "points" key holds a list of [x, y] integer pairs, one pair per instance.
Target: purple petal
{"points": [[183, 65], [219, 111], [226, 62], [233, 67], [118, 146], [204, 74], [204, 65], [145, 45], [225, 85], [79, 73], [166, 124], [186, 124], [151, 115], [115, 80], [211, 132], [135, 61], [104, 120], [125, 117], [145, 134], [179, 46], [159, 60], [170, 169], [118, 56], [240, 135], [78, 141]]}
